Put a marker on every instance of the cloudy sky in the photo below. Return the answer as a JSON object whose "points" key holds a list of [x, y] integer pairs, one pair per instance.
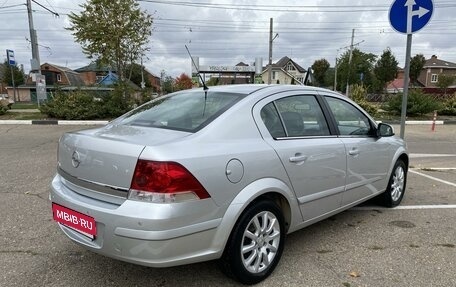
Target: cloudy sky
{"points": [[227, 32]]}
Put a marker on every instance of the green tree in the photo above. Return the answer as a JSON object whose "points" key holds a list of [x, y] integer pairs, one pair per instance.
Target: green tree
{"points": [[359, 72], [359, 94], [416, 65], [386, 68], [167, 82], [115, 32], [445, 81], [19, 77], [329, 77], [183, 82], [320, 67]]}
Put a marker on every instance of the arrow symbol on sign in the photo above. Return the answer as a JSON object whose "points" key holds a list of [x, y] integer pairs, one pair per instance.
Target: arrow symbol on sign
{"points": [[420, 12], [410, 13]]}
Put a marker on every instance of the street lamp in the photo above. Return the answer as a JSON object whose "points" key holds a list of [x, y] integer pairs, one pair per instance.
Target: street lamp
{"points": [[271, 39]]}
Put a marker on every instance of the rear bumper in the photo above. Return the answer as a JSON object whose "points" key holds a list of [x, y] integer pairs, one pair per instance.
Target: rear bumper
{"points": [[156, 235]]}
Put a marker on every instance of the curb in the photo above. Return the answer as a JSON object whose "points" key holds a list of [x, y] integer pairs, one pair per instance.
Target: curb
{"points": [[423, 122], [52, 122], [419, 122]]}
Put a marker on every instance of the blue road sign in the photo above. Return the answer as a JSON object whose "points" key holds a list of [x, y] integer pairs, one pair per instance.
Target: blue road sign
{"points": [[410, 16], [10, 56]]}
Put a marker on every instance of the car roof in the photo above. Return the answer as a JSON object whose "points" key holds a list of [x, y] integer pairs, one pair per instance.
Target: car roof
{"points": [[237, 89], [251, 88]]}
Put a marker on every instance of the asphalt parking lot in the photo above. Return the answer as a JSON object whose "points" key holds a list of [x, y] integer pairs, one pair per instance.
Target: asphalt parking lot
{"points": [[413, 245]]}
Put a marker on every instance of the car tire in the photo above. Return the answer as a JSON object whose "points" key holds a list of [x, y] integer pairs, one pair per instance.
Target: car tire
{"points": [[396, 186], [255, 244]]}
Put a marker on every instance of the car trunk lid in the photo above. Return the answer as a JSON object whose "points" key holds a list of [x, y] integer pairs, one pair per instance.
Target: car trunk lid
{"points": [[104, 160]]}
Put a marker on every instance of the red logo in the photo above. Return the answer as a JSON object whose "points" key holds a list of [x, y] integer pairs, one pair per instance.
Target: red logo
{"points": [[78, 221]]}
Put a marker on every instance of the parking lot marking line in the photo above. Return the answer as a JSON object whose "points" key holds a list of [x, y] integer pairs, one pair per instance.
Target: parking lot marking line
{"points": [[421, 155], [437, 168], [406, 207], [433, 178]]}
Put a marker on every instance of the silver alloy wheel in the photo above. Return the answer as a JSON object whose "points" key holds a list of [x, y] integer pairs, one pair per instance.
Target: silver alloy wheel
{"points": [[397, 186], [260, 242]]}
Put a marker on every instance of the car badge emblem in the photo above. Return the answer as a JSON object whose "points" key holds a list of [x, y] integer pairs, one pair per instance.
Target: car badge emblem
{"points": [[75, 159]]}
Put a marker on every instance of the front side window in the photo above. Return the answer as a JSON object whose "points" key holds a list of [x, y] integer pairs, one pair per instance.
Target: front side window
{"points": [[349, 120], [184, 111], [296, 116], [434, 78]]}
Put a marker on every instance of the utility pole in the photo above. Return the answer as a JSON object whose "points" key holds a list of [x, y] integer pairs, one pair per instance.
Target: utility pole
{"points": [[349, 63], [35, 62], [35, 52], [335, 76], [270, 52], [271, 39], [143, 84]]}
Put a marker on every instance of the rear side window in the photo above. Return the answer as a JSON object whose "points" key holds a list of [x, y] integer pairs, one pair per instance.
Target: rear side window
{"points": [[272, 121], [295, 116], [185, 111]]}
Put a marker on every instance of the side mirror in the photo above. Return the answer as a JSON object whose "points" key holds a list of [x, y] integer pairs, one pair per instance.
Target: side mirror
{"points": [[385, 130]]}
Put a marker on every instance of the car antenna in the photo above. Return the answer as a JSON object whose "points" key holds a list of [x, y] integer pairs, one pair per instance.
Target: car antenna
{"points": [[205, 88]]}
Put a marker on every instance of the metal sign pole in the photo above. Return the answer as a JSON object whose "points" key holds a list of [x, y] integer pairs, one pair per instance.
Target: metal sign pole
{"points": [[408, 17], [14, 86], [11, 62], [406, 84]]}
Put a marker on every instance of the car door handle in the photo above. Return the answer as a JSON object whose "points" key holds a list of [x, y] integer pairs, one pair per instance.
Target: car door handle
{"points": [[353, 151], [298, 158]]}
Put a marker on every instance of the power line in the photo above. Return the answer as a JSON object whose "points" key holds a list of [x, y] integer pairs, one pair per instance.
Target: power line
{"points": [[47, 1], [10, 6], [4, 3], [159, 19], [277, 8], [45, 8]]}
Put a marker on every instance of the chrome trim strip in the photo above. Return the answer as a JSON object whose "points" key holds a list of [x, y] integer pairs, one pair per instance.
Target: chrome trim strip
{"points": [[307, 137], [97, 187], [363, 182], [322, 194]]}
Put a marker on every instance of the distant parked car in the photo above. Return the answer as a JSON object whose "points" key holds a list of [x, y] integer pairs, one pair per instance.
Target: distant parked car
{"points": [[6, 101], [223, 174]]}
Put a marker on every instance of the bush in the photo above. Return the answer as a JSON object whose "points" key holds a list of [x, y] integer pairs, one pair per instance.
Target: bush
{"points": [[117, 103], [82, 105], [75, 105], [3, 110], [418, 103], [4, 106], [449, 106], [359, 94]]}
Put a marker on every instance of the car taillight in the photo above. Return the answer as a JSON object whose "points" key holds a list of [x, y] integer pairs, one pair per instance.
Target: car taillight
{"points": [[164, 182]]}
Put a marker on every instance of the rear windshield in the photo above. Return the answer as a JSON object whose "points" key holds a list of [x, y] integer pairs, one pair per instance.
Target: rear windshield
{"points": [[185, 111]]}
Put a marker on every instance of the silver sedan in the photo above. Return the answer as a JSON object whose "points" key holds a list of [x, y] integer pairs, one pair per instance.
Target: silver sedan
{"points": [[222, 174]]}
